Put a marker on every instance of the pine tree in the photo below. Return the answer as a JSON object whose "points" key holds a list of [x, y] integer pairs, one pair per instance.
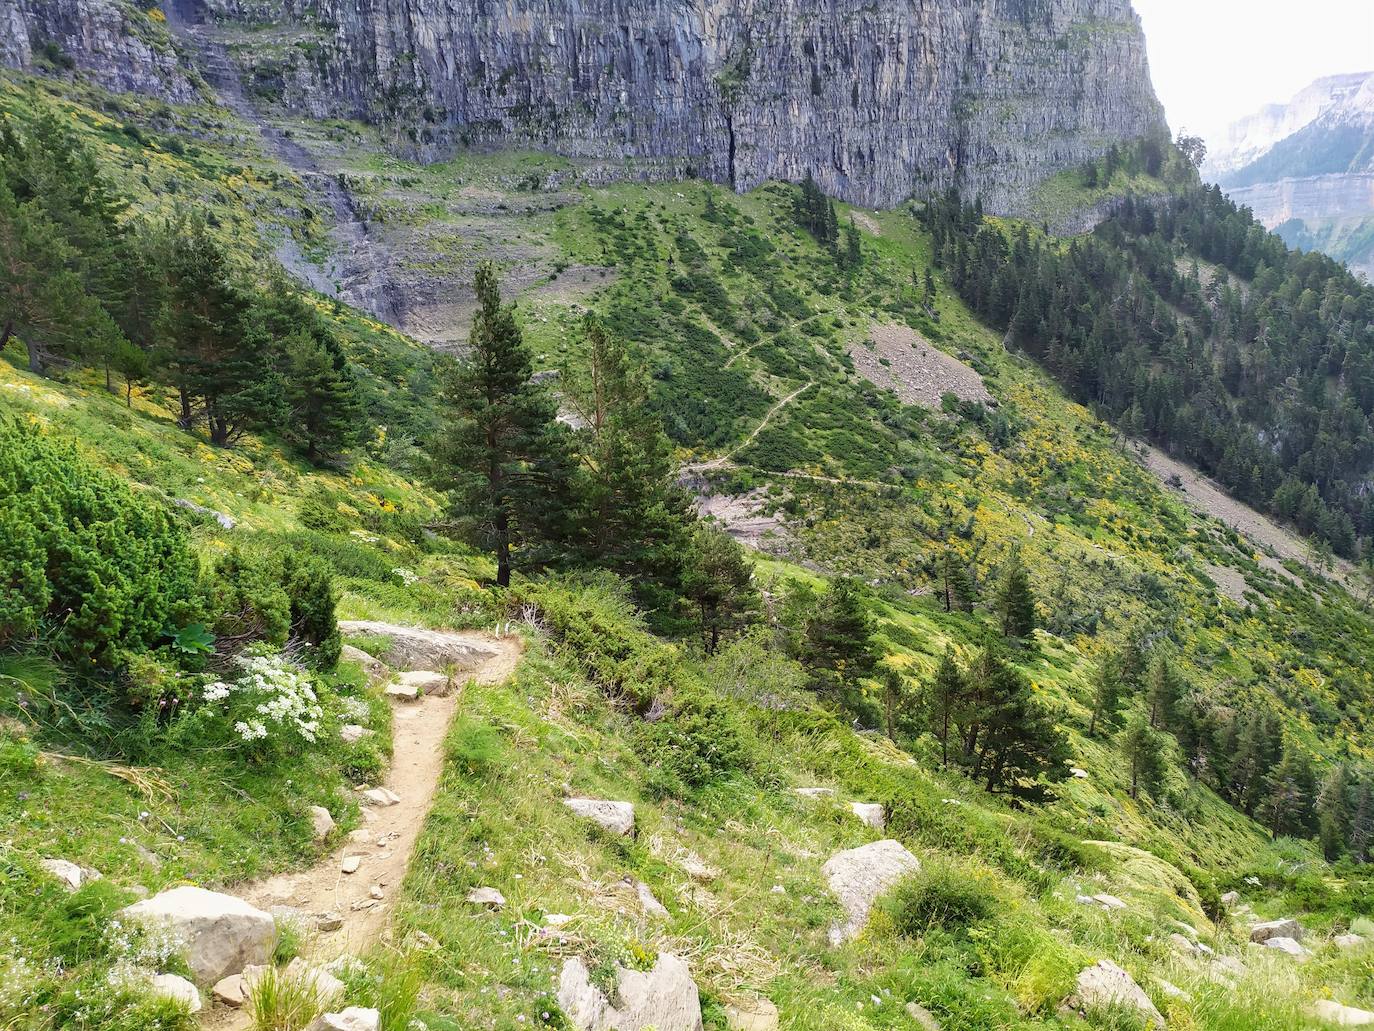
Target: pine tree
{"points": [[719, 581], [1108, 689], [944, 697], [895, 699], [1009, 739], [957, 590], [1333, 812], [324, 414], [1015, 601], [1163, 689], [500, 453], [839, 637], [1288, 791], [1143, 748]]}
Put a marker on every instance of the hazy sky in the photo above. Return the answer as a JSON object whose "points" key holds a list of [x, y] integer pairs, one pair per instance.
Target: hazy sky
{"points": [[1217, 60]]}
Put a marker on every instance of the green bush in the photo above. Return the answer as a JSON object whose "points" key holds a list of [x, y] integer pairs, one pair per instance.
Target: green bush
{"points": [[310, 589], [698, 741], [247, 599], [941, 897], [85, 561]]}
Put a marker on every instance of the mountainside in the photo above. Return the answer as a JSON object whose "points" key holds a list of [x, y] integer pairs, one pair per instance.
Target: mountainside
{"points": [[876, 100], [1307, 168]]}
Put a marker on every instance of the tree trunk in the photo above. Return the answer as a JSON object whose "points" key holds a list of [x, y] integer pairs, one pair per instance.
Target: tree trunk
{"points": [[8, 332], [502, 549], [185, 419]]}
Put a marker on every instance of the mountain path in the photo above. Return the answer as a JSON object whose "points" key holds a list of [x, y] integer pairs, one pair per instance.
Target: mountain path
{"points": [[418, 732], [723, 462]]}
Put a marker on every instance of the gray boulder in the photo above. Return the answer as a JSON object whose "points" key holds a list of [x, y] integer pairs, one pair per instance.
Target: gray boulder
{"points": [[870, 814], [220, 933], [858, 876], [1104, 985], [354, 1018], [172, 986], [1289, 945], [377, 671], [1288, 928], [70, 874], [664, 999], [615, 817], [413, 647], [1340, 1015], [321, 823]]}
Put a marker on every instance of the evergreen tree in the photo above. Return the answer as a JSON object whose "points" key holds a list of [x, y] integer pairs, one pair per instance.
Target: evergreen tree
{"points": [[719, 581], [1333, 812], [896, 696], [1163, 689], [501, 454], [1289, 787], [1143, 748], [1108, 688], [1015, 601], [324, 414], [839, 646], [943, 701], [957, 591]]}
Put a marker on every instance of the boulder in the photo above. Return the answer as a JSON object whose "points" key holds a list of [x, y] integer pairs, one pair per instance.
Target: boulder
{"points": [[858, 876], [377, 671], [1347, 941], [351, 733], [664, 999], [410, 647], [923, 1017], [1289, 945], [70, 874], [1229, 965], [328, 921], [403, 691], [1077, 773], [1182, 944], [489, 897], [381, 797], [756, 1014], [1230, 898], [172, 986], [616, 817], [221, 934], [1341, 1016], [1104, 985], [354, 1018], [321, 823], [1109, 901], [231, 991], [649, 903], [427, 682], [1289, 928], [1173, 991], [328, 988], [869, 813]]}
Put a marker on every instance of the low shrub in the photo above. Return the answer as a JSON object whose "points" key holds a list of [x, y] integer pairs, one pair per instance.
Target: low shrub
{"points": [[944, 897]]}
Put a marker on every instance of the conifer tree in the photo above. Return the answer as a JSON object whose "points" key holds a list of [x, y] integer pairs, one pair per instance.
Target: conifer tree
{"points": [[1107, 691], [957, 592], [944, 696], [1163, 689], [324, 414], [1333, 812], [1143, 748], [500, 453], [838, 645], [1015, 601], [719, 581]]}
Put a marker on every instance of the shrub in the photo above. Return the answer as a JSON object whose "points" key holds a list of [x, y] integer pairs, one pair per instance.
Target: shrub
{"points": [[941, 897], [697, 742], [247, 600], [310, 588], [271, 700], [85, 561]]}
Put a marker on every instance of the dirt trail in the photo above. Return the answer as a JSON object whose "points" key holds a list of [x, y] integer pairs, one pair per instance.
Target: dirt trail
{"points": [[418, 732], [723, 462]]}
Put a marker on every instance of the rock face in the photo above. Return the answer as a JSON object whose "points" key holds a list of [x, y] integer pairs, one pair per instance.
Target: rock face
{"points": [[1104, 985], [113, 42], [876, 98], [221, 934], [858, 876], [664, 999]]}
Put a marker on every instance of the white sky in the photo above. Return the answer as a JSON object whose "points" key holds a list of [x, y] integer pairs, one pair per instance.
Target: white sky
{"points": [[1214, 61]]}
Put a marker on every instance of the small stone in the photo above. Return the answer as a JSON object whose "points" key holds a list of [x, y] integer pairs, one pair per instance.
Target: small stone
{"points": [[321, 823], [381, 797], [489, 897], [649, 903], [230, 991], [350, 864], [70, 874], [1173, 991], [870, 814], [1289, 945], [351, 733], [1078, 774], [1288, 928], [757, 1014], [777, 889], [922, 1016], [1109, 902], [426, 682], [375, 668], [615, 817], [557, 921], [330, 921], [403, 691], [1230, 898], [696, 868], [354, 1018], [376, 892], [1347, 941], [173, 986]]}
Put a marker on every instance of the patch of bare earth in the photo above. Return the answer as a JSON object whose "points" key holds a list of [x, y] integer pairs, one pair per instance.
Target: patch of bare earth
{"points": [[866, 223], [1206, 497], [742, 516], [1229, 582], [899, 359]]}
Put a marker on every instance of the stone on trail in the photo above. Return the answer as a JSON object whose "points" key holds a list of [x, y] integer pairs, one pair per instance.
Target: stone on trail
{"points": [[489, 897], [1342, 1016], [69, 873], [870, 814], [381, 797], [221, 934], [172, 986], [1104, 985], [402, 691], [330, 921], [757, 1014], [616, 817], [410, 647], [1288, 928], [858, 876], [376, 670], [664, 999], [1289, 945], [354, 1018], [350, 864], [321, 823], [328, 988], [231, 991]]}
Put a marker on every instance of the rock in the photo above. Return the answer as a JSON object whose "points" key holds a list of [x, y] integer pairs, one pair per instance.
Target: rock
{"points": [[489, 897], [428, 682], [1289, 928], [649, 903], [1342, 1016], [321, 823], [172, 986], [664, 999], [70, 874], [814, 792], [1109, 901], [757, 1014], [1347, 941], [1078, 774], [870, 814], [1285, 944], [557, 921], [377, 671], [350, 864], [1173, 991], [330, 921], [381, 797], [1182, 944], [224, 519], [328, 988], [858, 876], [354, 1018], [376, 892], [230, 991], [923, 1017], [1104, 985], [403, 691], [1230, 898], [1254, 882], [696, 868], [414, 648], [1229, 965], [351, 733], [221, 934], [616, 817]]}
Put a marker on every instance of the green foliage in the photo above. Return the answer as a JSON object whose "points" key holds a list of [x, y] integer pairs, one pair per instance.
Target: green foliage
{"points": [[84, 561], [309, 589], [278, 1001], [1014, 603], [475, 747], [942, 896], [697, 741]]}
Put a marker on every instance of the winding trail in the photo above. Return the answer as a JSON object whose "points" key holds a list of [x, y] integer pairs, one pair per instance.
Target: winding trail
{"points": [[384, 842], [723, 462]]}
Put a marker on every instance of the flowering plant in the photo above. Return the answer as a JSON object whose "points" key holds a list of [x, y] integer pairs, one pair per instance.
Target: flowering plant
{"points": [[271, 694]]}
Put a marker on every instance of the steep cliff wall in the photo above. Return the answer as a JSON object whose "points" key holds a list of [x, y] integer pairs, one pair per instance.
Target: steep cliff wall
{"points": [[874, 97], [116, 44]]}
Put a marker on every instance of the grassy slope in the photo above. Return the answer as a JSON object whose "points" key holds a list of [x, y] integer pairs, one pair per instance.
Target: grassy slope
{"points": [[1102, 530]]}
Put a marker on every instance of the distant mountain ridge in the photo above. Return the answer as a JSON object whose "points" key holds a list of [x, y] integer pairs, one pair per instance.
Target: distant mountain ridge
{"points": [[1306, 168]]}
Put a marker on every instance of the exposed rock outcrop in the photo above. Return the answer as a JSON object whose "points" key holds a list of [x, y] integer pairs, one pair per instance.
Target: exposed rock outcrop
{"points": [[221, 934], [614, 817], [665, 998], [858, 876], [1104, 985]]}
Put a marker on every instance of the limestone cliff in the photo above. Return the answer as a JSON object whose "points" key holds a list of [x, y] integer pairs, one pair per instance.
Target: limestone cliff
{"points": [[876, 98]]}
